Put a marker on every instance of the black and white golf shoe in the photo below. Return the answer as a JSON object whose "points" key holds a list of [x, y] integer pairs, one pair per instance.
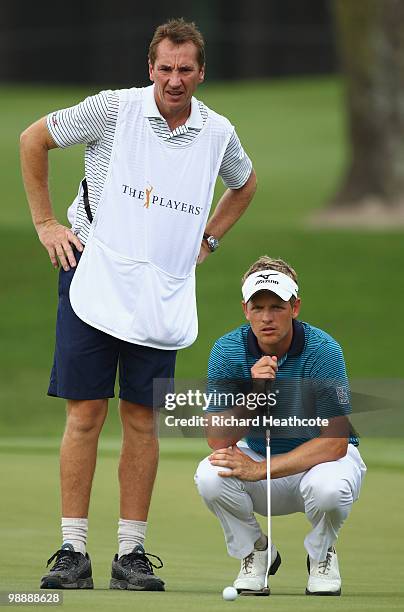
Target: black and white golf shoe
{"points": [[71, 570], [134, 572], [324, 576], [251, 578]]}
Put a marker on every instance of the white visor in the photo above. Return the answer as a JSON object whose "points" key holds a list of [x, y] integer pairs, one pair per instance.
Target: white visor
{"points": [[269, 280]]}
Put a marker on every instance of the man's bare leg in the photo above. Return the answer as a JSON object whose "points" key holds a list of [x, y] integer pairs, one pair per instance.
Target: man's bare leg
{"points": [[78, 454], [138, 461]]}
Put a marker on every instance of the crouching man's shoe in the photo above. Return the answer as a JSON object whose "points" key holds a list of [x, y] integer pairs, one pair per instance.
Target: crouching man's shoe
{"points": [[324, 576], [134, 572], [253, 569]]}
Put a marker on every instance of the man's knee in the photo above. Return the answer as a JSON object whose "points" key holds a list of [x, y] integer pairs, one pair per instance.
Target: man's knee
{"points": [[138, 419], [210, 485], [86, 417], [328, 496]]}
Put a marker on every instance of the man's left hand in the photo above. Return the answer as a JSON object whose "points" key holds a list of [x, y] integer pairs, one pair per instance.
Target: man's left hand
{"points": [[241, 465]]}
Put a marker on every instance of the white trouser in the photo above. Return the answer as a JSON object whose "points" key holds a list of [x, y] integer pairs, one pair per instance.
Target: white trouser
{"points": [[325, 493]]}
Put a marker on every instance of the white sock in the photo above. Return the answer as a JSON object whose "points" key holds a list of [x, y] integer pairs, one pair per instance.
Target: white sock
{"points": [[130, 533], [261, 543], [74, 532]]}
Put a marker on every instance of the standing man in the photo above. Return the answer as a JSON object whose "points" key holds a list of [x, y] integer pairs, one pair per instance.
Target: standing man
{"points": [[315, 472], [139, 226]]}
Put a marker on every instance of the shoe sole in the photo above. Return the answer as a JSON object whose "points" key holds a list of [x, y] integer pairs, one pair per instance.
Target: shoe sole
{"points": [[124, 585], [265, 591], [54, 583], [324, 593]]}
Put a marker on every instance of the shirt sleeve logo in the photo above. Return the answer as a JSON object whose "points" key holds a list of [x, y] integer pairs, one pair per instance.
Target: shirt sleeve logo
{"points": [[342, 394]]}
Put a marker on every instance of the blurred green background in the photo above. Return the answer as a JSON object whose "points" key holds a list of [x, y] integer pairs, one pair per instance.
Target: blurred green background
{"points": [[293, 130], [294, 134]]}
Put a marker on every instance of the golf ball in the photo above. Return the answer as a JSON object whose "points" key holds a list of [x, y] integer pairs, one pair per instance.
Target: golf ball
{"points": [[229, 593]]}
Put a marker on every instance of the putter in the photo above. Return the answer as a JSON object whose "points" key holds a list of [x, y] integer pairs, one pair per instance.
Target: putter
{"points": [[266, 590]]}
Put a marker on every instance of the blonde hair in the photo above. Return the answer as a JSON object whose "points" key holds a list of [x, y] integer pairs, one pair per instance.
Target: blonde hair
{"points": [[178, 31], [269, 263]]}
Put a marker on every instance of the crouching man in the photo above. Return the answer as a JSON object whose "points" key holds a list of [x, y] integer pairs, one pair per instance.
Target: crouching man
{"points": [[318, 473]]}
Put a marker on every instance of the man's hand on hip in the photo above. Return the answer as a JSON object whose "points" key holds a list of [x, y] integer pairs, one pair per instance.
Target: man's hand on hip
{"points": [[240, 465], [57, 240]]}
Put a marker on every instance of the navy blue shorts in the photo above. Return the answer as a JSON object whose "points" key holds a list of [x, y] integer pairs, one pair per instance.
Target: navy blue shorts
{"points": [[86, 360]]}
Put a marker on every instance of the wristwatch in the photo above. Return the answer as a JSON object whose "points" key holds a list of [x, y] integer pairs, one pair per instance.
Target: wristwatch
{"points": [[212, 242]]}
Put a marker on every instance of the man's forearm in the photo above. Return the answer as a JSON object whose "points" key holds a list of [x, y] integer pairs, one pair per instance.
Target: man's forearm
{"points": [[34, 146], [221, 436], [306, 456], [56, 238], [231, 206]]}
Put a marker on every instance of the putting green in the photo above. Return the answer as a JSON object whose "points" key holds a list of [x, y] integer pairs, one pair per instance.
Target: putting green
{"points": [[189, 539]]}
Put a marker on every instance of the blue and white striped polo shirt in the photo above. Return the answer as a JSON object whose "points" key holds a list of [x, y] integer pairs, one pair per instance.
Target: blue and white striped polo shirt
{"points": [[314, 363]]}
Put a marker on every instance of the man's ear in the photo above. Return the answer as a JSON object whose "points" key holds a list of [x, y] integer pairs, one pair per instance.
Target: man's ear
{"points": [[202, 74], [151, 71], [245, 310], [296, 308]]}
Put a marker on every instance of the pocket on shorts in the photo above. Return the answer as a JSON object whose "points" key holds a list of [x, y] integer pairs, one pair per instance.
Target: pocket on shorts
{"points": [[65, 279]]}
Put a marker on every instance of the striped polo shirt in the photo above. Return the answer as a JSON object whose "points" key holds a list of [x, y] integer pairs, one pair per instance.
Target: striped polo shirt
{"points": [[93, 121], [311, 381]]}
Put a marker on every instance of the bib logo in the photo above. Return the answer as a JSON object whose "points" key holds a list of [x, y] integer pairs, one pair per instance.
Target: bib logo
{"points": [[148, 192], [149, 200]]}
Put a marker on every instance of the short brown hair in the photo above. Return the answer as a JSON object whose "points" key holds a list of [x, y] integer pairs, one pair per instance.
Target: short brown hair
{"points": [[179, 32], [268, 263]]}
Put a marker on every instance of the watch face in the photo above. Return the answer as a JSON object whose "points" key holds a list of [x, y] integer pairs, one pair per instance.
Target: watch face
{"points": [[213, 243]]}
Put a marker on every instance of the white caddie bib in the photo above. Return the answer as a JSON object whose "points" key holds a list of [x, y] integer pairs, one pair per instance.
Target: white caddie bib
{"points": [[136, 276]]}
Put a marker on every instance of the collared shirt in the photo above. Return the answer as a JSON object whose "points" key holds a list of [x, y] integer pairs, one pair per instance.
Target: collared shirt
{"points": [[93, 121], [195, 121], [311, 381]]}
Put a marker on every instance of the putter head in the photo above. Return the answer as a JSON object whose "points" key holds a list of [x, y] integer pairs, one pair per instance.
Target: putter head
{"points": [[262, 593]]}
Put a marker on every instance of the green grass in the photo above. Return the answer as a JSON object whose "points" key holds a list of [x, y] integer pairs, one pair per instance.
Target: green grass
{"points": [[189, 539], [294, 132]]}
